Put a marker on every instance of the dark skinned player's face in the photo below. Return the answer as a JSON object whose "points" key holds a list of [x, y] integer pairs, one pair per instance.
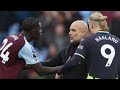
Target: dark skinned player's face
{"points": [[38, 32]]}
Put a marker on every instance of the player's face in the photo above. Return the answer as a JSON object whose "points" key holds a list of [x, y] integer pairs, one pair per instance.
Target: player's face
{"points": [[75, 35], [38, 32]]}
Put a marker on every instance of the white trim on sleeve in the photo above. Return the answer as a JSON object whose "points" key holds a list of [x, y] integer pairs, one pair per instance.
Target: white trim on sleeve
{"points": [[79, 55]]}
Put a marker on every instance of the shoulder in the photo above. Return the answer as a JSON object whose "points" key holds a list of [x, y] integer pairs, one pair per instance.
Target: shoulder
{"points": [[115, 36], [90, 38], [67, 47], [27, 46]]}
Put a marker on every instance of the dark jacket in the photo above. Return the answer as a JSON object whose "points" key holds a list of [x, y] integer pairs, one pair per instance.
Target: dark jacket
{"points": [[78, 72]]}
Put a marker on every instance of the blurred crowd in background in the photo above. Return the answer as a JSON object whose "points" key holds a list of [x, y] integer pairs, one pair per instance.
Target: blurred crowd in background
{"points": [[55, 26]]}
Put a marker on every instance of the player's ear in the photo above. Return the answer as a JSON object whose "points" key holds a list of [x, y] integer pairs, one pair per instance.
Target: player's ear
{"points": [[83, 33], [90, 25]]}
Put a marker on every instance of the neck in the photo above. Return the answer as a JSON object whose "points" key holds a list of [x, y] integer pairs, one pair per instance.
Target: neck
{"points": [[28, 38], [95, 30], [76, 42]]}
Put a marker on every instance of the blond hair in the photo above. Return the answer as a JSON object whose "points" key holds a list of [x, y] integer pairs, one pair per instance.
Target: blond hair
{"points": [[98, 17]]}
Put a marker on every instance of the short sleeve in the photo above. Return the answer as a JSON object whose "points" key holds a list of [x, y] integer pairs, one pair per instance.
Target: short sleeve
{"points": [[81, 49], [28, 54]]}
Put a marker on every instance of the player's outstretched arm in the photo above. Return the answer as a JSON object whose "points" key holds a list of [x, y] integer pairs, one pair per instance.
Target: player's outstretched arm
{"points": [[56, 61], [51, 62], [75, 60], [43, 70]]}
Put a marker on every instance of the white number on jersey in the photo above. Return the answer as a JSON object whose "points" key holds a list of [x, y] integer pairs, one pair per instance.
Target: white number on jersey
{"points": [[110, 56], [4, 48]]}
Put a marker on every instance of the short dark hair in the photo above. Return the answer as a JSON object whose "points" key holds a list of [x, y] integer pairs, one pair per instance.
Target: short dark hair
{"points": [[29, 23]]}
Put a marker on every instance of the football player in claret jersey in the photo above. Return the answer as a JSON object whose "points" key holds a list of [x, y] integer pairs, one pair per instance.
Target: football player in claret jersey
{"points": [[16, 52], [101, 49]]}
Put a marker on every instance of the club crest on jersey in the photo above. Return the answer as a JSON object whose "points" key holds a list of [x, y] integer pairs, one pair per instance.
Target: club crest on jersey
{"points": [[80, 47]]}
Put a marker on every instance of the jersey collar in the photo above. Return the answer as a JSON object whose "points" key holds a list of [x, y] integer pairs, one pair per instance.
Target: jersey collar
{"points": [[102, 32]]}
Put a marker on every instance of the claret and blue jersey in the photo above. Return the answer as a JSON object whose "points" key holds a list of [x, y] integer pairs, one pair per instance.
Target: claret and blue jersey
{"points": [[15, 52]]}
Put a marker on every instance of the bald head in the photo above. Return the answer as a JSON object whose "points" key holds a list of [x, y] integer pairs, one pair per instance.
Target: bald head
{"points": [[78, 31], [79, 25]]}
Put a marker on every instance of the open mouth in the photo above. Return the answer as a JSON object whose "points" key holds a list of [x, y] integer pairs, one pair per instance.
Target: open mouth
{"points": [[70, 38]]}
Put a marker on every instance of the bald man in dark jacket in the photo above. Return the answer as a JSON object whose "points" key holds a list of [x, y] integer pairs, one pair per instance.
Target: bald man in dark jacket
{"points": [[78, 31]]}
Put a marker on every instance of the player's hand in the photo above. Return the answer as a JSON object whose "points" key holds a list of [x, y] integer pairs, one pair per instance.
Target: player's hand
{"points": [[58, 76]]}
